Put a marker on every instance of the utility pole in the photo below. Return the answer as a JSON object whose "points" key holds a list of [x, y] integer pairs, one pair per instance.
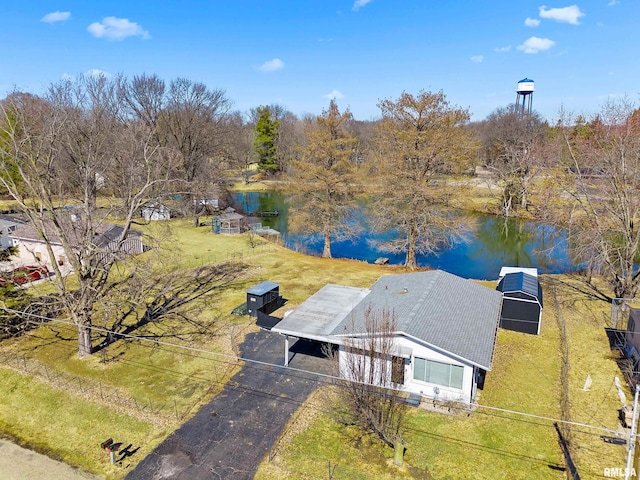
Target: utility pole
{"points": [[632, 437]]}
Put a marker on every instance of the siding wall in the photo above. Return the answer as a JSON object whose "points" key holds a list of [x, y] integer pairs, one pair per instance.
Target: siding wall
{"points": [[465, 394]]}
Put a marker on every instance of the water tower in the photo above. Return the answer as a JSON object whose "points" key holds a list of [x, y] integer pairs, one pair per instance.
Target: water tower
{"points": [[524, 95]]}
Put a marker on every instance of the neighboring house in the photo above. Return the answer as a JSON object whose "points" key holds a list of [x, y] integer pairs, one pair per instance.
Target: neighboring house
{"points": [[445, 332], [7, 226], [155, 211], [522, 303], [33, 249]]}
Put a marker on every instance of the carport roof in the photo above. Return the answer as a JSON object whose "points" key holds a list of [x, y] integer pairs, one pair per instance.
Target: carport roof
{"points": [[319, 315]]}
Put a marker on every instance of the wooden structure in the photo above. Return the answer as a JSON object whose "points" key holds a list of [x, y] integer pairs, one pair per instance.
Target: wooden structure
{"points": [[228, 223]]}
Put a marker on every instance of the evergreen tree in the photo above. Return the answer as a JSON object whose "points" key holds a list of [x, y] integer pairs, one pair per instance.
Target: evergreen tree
{"points": [[264, 143]]}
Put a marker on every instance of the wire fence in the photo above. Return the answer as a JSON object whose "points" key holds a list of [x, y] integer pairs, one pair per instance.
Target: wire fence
{"points": [[243, 253], [161, 413]]}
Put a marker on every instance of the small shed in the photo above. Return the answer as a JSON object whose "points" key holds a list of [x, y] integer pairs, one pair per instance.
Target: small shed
{"points": [[522, 302], [155, 211], [228, 223], [262, 295]]}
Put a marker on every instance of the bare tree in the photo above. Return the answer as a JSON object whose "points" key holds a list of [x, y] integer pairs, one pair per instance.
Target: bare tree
{"points": [[419, 138], [369, 395], [514, 150], [63, 148], [189, 120], [322, 184], [194, 124], [603, 183]]}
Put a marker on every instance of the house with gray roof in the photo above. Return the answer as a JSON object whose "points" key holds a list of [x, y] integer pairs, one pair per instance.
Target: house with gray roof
{"points": [[444, 329], [107, 242]]}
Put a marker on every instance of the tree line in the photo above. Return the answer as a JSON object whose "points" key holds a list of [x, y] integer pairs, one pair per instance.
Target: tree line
{"points": [[107, 146]]}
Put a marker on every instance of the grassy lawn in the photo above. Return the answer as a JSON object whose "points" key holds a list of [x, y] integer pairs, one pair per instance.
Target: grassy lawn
{"points": [[486, 444], [138, 392]]}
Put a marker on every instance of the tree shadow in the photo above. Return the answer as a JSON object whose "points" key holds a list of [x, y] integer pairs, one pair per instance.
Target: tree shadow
{"points": [[170, 296]]}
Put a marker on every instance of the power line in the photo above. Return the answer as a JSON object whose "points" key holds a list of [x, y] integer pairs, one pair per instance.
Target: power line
{"points": [[288, 369]]}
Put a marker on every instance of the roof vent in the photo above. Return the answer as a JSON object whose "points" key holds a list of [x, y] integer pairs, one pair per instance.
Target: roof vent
{"points": [[405, 290]]}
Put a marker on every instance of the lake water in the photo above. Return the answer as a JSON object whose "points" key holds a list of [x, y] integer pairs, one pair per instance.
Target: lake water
{"points": [[494, 243]]}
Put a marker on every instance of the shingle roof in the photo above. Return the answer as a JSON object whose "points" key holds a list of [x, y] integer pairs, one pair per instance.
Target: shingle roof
{"points": [[438, 308]]}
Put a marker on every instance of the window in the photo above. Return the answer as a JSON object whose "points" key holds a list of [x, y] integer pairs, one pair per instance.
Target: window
{"points": [[437, 372]]}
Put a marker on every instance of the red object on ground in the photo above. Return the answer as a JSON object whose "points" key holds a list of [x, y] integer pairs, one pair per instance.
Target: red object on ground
{"points": [[30, 273]]}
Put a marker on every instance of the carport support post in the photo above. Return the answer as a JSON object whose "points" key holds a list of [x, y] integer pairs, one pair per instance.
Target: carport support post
{"points": [[286, 350]]}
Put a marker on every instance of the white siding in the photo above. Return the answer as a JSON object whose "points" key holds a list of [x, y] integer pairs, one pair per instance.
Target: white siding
{"points": [[428, 389], [465, 394]]}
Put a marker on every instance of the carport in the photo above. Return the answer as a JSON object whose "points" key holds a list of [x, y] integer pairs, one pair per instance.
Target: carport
{"points": [[317, 317]]}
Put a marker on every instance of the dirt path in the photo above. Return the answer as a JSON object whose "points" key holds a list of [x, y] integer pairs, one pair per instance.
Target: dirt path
{"points": [[17, 463]]}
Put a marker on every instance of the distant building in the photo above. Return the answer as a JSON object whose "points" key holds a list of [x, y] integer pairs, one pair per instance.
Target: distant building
{"points": [[155, 211], [228, 223], [7, 226], [32, 248]]}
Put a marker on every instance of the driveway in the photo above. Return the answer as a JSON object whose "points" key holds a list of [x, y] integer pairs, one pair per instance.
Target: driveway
{"points": [[228, 438]]}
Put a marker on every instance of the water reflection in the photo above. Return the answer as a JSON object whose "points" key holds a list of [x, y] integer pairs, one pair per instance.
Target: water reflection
{"points": [[494, 243]]}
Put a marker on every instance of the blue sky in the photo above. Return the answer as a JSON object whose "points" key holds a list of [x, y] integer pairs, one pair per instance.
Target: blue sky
{"points": [[300, 54]]}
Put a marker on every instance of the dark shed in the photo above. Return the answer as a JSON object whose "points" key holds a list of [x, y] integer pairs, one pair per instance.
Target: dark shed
{"points": [[261, 295], [522, 303]]}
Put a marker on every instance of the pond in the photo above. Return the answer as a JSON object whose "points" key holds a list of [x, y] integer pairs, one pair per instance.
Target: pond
{"points": [[495, 242]]}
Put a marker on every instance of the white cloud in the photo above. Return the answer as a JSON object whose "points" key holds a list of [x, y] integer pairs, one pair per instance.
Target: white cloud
{"points": [[96, 72], [613, 3], [54, 17], [503, 49], [360, 3], [334, 95], [531, 22], [536, 44], [272, 65], [570, 14], [67, 77], [113, 28], [477, 59]]}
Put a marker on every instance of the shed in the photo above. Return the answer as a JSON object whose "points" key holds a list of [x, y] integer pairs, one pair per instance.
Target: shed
{"points": [[262, 295], [154, 211], [522, 303]]}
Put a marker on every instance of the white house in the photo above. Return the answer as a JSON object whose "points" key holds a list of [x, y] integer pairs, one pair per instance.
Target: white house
{"points": [[445, 329], [6, 227]]}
